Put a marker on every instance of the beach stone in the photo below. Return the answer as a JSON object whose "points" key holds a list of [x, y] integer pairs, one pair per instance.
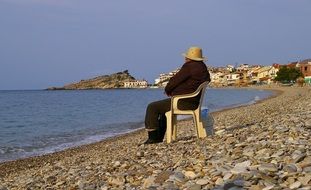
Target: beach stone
{"points": [[116, 164], [178, 176], [118, 180], [268, 167], [219, 181], [290, 168], [170, 185], [51, 180], [241, 167], [140, 154], [227, 176], [295, 185], [269, 187], [305, 180], [190, 174], [291, 180], [163, 176], [104, 187], [202, 181], [3, 188], [277, 154], [298, 157], [194, 187], [150, 181], [307, 169], [220, 132], [256, 187]]}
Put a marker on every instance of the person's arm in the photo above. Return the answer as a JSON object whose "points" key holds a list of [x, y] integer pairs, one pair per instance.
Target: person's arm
{"points": [[177, 79]]}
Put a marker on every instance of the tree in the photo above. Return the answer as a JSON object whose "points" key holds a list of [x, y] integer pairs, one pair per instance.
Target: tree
{"points": [[286, 74]]}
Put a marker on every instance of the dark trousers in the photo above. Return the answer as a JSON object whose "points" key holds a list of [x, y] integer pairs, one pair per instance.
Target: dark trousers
{"points": [[155, 113]]}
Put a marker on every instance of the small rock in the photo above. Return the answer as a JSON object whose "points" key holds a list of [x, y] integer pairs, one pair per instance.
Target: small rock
{"points": [[178, 176], [202, 181], [194, 187], [295, 185], [268, 187], [170, 185], [3, 188], [268, 167], [307, 169], [256, 187], [119, 180], [190, 174], [150, 181], [117, 164], [220, 132], [227, 176], [140, 154], [219, 181], [241, 167], [305, 180], [298, 157], [290, 168]]}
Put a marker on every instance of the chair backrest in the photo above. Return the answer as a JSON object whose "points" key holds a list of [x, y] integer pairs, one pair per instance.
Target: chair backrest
{"points": [[202, 89]]}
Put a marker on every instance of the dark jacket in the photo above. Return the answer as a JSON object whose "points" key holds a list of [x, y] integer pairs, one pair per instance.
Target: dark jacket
{"points": [[188, 79]]}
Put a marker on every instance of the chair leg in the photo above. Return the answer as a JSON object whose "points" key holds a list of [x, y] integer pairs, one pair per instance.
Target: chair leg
{"points": [[174, 127], [168, 127], [199, 126]]}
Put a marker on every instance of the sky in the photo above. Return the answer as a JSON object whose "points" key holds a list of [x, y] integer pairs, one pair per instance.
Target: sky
{"points": [[46, 43]]}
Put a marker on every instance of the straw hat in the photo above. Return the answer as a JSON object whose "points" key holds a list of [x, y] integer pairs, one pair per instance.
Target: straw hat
{"points": [[194, 53]]}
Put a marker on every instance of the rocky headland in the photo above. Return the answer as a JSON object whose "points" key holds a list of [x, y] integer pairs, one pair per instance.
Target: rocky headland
{"points": [[115, 80], [260, 146]]}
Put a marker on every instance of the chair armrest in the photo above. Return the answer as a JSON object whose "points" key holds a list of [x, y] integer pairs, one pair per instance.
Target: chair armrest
{"points": [[175, 99]]}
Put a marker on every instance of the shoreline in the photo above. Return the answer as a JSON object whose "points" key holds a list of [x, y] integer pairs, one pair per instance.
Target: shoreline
{"points": [[105, 159]]}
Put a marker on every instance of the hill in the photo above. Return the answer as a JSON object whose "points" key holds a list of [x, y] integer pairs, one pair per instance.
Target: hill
{"points": [[115, 80]]}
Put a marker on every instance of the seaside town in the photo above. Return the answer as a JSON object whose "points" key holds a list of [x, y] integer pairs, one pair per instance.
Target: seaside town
{"points": [[238, 75]]}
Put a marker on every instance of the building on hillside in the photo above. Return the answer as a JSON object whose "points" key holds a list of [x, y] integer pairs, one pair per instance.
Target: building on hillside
{"points": [[232, 79], [230, 68], [242, 67], [293, 65], [218, 79], [305, 67], [264, 74], [136, 84]]}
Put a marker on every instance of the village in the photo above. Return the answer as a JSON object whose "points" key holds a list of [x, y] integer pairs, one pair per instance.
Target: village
{"points": [[239, 76]]}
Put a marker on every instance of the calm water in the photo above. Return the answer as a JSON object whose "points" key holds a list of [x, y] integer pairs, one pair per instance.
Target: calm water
{"points": [[39, 122]]}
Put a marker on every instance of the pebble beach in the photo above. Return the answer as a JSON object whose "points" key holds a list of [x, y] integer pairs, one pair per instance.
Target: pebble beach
{"points": [[266, 145]]}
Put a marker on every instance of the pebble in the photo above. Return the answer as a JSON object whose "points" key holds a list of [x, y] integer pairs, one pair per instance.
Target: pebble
{"points": [[190, 174], [268, 167], [295, 185], [202, 182]]}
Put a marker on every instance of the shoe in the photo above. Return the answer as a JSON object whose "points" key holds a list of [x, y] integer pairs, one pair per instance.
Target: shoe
{"points": [[153, 137], [151, 141]]}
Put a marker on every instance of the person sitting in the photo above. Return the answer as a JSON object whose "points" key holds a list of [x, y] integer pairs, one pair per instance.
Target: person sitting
{"points": [[191, 75]]}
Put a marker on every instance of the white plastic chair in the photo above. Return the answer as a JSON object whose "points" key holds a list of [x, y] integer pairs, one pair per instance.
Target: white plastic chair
{"points": [[171, 116]]}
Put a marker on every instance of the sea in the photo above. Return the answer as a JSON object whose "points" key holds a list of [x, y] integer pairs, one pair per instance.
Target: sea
{"points": [[36, 122]]}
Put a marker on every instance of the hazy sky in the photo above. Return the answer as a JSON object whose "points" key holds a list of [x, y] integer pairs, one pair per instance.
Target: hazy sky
{"points": [[47, 43]]}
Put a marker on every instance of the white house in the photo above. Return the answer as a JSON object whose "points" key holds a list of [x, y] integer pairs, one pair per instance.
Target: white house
{"points": [[136, 84], [232, 78]]}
